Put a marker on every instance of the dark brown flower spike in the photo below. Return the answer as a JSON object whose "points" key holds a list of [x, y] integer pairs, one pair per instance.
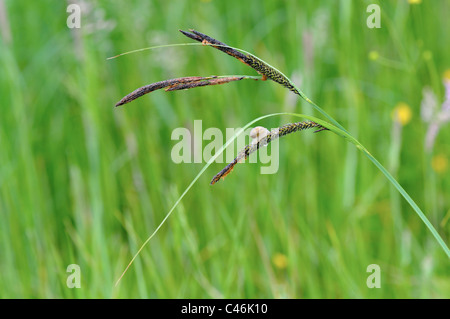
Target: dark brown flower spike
{"points": [[262, 68], [179, 84], [203, 38], [266, 139], [212, 81]]}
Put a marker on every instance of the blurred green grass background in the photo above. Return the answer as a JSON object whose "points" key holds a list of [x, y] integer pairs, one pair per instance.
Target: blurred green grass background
{"points": [[82, 182]]}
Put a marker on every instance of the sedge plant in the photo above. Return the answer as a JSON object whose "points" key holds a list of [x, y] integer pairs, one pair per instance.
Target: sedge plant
{"points": [[267, 72]]}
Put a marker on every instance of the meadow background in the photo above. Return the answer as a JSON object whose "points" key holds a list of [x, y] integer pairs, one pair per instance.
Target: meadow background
{"points": [[82, 182]]}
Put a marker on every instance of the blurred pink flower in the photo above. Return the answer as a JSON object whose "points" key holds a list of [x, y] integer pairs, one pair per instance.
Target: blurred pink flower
{"points": [[432, 115]]}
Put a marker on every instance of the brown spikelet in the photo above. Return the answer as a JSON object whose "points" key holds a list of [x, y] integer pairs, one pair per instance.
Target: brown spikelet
{"points": [[272, 135], [203, 82], [262, 68], [183, 83]]}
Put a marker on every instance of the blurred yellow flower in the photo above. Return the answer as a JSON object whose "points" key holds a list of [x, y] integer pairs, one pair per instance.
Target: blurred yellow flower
{"points": [[447, 75], [373, 55], [415, 1], [280, 261], [402, 113], [439, 163]]}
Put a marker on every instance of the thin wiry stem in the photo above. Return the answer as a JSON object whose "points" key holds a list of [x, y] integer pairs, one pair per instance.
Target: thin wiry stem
{"points": [[272, 135]]}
